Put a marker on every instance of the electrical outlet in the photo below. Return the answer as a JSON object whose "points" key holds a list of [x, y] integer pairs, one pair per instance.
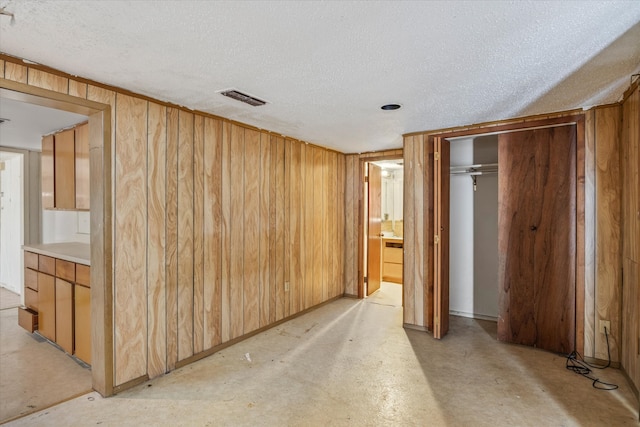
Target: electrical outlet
{"points": [[286, 286], [605, 324]]}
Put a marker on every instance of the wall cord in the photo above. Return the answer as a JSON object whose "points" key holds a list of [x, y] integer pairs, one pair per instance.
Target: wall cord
{"points": [[577, 364]]}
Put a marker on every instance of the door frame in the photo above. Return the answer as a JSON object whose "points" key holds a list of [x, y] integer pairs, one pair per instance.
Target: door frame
{"points": [[585, 195], [364, 199], [101, 218]]}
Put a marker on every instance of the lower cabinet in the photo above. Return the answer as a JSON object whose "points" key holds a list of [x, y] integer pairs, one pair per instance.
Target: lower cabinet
{"points": [[47, 306], [58, 303], [64, 315], [82, 311]]}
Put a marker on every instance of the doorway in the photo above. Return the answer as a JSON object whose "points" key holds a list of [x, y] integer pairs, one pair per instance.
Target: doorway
{"points": [[11, 227], [101, 378], [384, 231]]}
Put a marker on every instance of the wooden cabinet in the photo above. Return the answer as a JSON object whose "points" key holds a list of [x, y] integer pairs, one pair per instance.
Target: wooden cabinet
{"points": [[47, 306], [65, 169], [64, 315], [58, 303], [82, 167], [392, 254], [82, 322], [46, 172]]}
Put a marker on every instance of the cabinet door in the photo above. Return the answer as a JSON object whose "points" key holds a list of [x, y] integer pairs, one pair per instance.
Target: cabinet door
{"points": [[64, 158], [47, 306], [64, 315], [47, 173], [82, 167], [82, 321]]}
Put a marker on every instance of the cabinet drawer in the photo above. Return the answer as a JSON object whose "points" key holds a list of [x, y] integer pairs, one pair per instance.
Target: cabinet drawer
{"points": [[31, 279], [46, 264], [392, 255], [83, 275], [28, 319], [31, 260], [66, 270], [31, 299]]}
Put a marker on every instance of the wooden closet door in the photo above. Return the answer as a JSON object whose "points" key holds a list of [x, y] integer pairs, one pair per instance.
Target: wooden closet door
{"points": [[536, 237]]}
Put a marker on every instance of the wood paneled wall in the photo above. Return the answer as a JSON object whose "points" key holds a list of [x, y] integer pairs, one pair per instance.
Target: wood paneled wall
{"points": [[630, 162], [220, 229]]}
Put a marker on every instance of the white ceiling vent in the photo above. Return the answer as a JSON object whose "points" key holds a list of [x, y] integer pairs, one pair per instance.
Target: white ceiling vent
{"points": [[243, 97]]}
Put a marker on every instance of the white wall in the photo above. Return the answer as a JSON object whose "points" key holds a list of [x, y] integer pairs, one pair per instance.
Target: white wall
{"points": [[473, 283], [65, 226], [11, 222], [461, 231]]}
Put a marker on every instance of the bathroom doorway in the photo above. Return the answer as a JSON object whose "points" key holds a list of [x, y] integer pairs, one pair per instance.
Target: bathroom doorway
{"points": [[384, 231]]}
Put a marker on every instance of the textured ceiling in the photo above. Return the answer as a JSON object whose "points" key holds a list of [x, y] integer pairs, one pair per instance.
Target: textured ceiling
{"points": [[326, 67]]}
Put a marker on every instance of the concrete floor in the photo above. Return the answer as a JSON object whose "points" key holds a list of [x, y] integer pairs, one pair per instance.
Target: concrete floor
{"points": [[351, 363]]}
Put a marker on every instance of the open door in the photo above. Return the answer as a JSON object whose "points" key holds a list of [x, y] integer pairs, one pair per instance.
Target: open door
{"points": [[441, 156], [374, 239]]}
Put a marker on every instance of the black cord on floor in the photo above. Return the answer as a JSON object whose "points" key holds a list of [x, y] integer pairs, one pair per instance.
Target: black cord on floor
{"points": [[577, 364]]}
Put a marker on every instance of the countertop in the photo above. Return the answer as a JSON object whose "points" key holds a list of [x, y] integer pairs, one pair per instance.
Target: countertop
{"points": [[70, 251]]}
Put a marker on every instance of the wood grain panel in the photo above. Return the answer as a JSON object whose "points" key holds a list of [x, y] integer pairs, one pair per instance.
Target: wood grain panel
{"points": [[608, 222], [47, 172], [340, 218], [198, 234], [171, 253], [630, 329], [351, 224], [82, 172], [251, 256], [130, 256], [309, 227], [317, 226], [420, 170], [226, 233], [48, 81], [236, 279], [286, 257], [185, 235], [279, 227], [325, 239], [536, 238], [410, 236], [589, 244], [47, 306], [15, 72], [157, 239], [265, 229], [212, 231], [2, 68], [64, 169], [295, 272], [64, 315], [77, 89]]}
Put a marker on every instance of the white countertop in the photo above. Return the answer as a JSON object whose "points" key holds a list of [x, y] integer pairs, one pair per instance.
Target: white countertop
{"points": [[69, 251]]}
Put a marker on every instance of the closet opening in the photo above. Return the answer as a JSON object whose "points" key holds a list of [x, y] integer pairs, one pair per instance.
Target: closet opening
{"points": [[383, 230], [509, 231]]}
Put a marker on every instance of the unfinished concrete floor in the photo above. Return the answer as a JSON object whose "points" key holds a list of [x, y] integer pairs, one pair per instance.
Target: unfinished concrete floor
{"points": [[351, 363]]}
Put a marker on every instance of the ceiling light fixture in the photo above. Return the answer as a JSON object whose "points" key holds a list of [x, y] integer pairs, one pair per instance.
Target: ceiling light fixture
{"points": [[391, 107]]}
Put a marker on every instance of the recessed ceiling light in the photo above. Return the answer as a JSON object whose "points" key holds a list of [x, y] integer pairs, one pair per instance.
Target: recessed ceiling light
{"points": [[389, 107]]}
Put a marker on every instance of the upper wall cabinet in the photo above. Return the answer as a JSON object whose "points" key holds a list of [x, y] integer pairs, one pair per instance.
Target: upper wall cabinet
{"points": [[65, 169]]}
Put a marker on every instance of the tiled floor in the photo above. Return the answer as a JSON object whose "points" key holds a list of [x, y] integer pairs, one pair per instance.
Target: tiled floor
{"points": [[350, 363]]}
